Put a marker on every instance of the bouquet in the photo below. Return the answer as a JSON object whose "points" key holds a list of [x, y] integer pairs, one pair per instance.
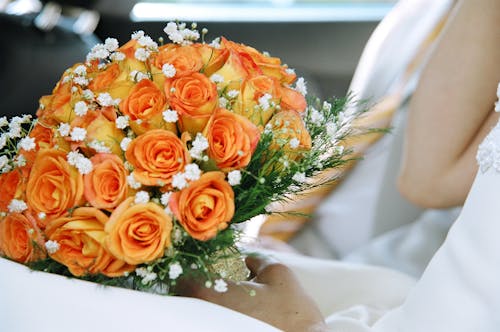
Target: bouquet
{"points": [[140, 164]]}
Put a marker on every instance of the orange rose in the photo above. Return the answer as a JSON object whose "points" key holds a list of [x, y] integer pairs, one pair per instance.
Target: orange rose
{"points": [[213, 58], [238, 67], [205, 207], [157, 156], [80, 238], [288, 125], [194, 97], [101, 129], [53, 186], [292, 100], [146, 103], [232, 140], [138, 233], [10, 188], [56, 108], [106, 185], [249, 103], [20, 238], [185, 59]]}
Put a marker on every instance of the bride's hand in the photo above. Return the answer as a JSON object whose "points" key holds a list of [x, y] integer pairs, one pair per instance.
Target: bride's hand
{"points": [[278, 298]]}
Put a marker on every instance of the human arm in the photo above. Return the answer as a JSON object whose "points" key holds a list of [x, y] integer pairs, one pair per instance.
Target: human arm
{"points": [[279, 298], [451, 110]]}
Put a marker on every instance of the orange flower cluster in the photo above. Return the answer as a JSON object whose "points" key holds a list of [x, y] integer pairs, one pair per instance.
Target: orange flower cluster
{"points": [[120, 148]]}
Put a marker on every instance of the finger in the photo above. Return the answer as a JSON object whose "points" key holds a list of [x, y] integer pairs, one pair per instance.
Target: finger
{"points": [[268, 271]]}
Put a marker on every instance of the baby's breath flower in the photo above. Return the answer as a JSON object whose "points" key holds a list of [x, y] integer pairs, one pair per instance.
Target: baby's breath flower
{"points": [[27, 144], [220, 286], [88, 94], [99, 146], [3, 161], [80, 80], [233, 93], [117, 56], [141, 197], [208, 284], [174, 270], [20, 161], [137, 76], [168, 70], [316, 116], [299, 177], [111, 44], [300, 86], [52, 246], [200, 144], [234, 177], [170, 116], [264, 101], [331, 129], [165, 198], [15, 130], [64, 129], [216, 78], [73, 157], [17, 205], [84, 165], [3, 140], [137, 34], [78, 134], [294, 143], [215, 43], [132, 182], [192, 172], [105, 99], [122, 121], [327, 106], [81, 108], [42, 215], [179, 181], [3, 121], [80, 70], [125, 143], [147, 42], [290, 71], [147, 276], [142, 54], [223, 102]]}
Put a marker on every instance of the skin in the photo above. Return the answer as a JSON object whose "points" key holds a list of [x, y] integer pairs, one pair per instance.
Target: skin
{"points": [[279, 298], [452, 109], [458, 84]]}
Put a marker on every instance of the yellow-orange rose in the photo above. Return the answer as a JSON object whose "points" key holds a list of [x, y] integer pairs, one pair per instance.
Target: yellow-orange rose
{"points": [[232, 140], [138, 233], [292, 100], [100, 129], [56, 108], [249, 103], [10, 188], [205, 207], [213, 58], [286, 126], [20, 238], [237, 68], [157, 156], [81, 238], [54, 186], [145, 103], [194, 97], [106, 185]]}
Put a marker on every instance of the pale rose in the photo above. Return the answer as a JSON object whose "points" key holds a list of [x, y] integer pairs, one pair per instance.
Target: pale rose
{"points": [[54, 186], [194, 97], [81, 244], [205, 207], [249, 103], [232, 140], [288, 125], [138, 233], [144, 105], [157, 156], [106, 185], [20, 238]]}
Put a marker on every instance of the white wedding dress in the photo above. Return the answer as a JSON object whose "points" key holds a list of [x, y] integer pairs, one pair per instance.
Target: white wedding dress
{"points": [[459, 291]]}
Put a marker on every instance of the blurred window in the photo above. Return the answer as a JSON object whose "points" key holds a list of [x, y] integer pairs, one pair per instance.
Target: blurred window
{"points": [[262, 10]]}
